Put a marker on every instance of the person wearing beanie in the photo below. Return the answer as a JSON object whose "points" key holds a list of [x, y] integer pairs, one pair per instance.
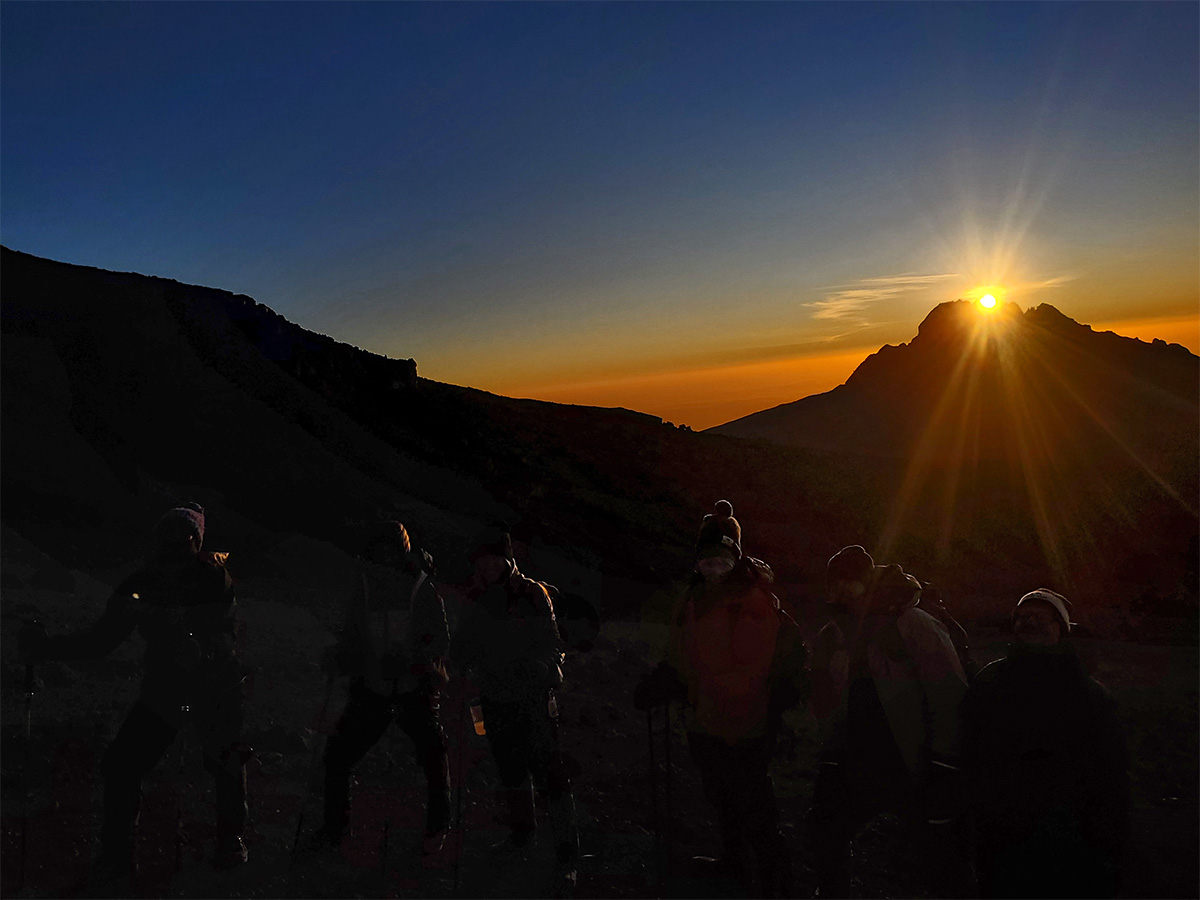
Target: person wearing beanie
{"points": [[719, 530], [182, 603], [887, 688], [508, 641], [392, 648], [737, 659], [1047, 764]]}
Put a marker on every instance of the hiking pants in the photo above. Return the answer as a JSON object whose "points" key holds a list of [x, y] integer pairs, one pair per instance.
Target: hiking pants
{"points": [[363, 723], [524, 742], [738, 786], [148, 732]]}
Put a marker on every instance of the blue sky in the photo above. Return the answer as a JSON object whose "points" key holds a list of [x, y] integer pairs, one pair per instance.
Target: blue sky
{"points": [[573, 200]]}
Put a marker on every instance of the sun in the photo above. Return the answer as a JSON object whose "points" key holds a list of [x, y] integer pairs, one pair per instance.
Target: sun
{"points": [[988, 296]]}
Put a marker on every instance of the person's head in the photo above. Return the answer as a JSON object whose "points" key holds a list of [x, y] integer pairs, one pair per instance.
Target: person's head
{"points": [[386, 544], [180, 531], [492, 558], [719, 544], [848, 576], [1042, 618]]}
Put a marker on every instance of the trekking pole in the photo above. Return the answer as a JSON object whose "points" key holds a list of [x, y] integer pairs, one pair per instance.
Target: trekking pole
{"points": [[179, 798], [462, 780], [391, 765], [29, 690], [312, 768], [670, 810], [654, 819]]}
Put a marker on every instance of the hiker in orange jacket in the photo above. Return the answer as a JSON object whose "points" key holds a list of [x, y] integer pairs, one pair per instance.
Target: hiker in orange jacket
{"points": [[737, 658]]}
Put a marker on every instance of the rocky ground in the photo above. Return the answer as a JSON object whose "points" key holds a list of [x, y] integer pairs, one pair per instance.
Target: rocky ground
{"points": [[51, 793]]}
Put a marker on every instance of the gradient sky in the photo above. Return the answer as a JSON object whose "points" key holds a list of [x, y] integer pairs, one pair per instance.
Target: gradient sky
{"points": [[695, 210]]}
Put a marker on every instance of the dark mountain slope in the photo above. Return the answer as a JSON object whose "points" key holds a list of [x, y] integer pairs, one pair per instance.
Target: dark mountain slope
{"points": [[123, 392]]}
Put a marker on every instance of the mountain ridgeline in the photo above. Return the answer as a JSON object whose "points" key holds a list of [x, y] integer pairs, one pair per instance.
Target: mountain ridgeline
{"points": [[992, 460]]}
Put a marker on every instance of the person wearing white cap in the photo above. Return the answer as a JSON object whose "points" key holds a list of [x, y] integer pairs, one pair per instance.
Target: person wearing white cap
{"points": [[1047, 764]]}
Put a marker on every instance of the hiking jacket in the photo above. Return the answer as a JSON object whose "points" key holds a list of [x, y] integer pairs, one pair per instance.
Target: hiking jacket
{"points": [[739, 653], [186, 612], [394, 636], [509, 638], [914, 667], [1045, 752]]}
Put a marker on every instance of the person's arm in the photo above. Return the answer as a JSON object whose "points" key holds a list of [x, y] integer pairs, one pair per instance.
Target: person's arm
{"points": [[791, 680], [430, 634], [545, 646], [830, 671], [942, 678]]}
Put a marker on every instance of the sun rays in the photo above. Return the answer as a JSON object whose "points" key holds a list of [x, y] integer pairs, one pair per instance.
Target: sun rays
{"points": [[1008, 410]]}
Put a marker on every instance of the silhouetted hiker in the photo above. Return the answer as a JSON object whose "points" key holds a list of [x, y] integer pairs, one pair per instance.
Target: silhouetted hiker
{"points": [[1047, 765], [393, 647], [737, 657], [182, 603], [887, 680], [509, 641]]}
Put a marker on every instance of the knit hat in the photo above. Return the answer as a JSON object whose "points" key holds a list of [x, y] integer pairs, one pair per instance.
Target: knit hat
{"points": [[1060, 603], [719, 532], [182, 522], [384, 534], [493, 539], [851, 563]]}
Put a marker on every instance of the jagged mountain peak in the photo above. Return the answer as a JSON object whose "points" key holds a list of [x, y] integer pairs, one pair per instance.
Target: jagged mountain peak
{"points": [[983, 366]]}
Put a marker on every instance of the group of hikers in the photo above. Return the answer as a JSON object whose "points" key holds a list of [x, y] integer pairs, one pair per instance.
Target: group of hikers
{"points": [[1013, 779]]}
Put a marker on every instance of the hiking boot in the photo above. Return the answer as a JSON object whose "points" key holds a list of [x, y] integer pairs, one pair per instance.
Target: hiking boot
{"points": [[230, 855]]}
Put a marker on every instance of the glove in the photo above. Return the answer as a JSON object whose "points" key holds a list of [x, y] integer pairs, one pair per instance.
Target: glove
{"points": [[658, 688], [33, 643]]}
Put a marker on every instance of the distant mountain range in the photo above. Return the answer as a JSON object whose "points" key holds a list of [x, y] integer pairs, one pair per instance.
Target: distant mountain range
{"points": [[1042, 453]]}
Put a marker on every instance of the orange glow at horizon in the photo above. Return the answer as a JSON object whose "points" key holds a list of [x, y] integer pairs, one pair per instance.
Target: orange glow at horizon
{"points": [[702, 398], [1184, 330]]}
